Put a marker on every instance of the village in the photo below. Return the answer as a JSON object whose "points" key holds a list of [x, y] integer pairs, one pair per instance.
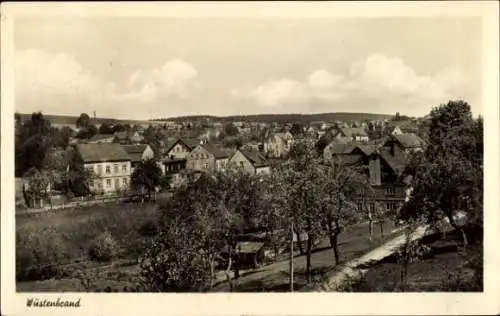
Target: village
{"points": [[113, 152], [305, 198]]}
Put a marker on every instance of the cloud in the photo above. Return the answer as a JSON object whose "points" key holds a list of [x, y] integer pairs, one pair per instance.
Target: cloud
{"points": [[57, 83], [382, 82]]}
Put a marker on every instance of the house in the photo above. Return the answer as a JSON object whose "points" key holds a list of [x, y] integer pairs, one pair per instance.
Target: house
{"points": [[138, 153], [173, 169], [357, 134], [101, 139], [128, 137], [405, 143], [277, 145], [384, 170], [110, 164], [249, 160], [181, 148], [392, 130], [207, 157]]}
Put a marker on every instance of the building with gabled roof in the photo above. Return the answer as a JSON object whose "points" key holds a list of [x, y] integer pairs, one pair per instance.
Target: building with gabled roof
{"points": [[208, 157], [109, 162], [249, 160], [278, 145], [180, 148], [138, 153], [351, 134]]}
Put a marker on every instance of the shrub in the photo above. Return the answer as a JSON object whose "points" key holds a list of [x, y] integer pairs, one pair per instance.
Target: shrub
{"points": [[40, 255], [148, 228], [103, 248]]}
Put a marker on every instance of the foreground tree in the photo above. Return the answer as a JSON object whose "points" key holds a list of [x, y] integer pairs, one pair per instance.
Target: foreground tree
{"points": [[340, 193], [448, 177], [36, 187]]}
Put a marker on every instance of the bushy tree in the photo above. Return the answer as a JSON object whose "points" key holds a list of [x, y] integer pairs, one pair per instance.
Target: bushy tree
{"points": [[448, 177], [146, 177], [83, 121]]}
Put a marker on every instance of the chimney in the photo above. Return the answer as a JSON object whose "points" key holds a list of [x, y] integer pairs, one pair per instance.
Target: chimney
{"points": [[374, 166]]}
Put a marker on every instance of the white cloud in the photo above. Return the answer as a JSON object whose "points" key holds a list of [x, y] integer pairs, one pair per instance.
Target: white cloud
{"points": [[381, 81], [57, 83]]}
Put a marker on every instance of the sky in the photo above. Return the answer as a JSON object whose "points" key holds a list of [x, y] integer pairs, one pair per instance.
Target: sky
{"points": [[145, 68]]}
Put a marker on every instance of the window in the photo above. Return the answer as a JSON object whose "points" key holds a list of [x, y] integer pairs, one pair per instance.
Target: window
{"points": [[116, 168], [124, 181], [108, 169], [108, 183], [99, 185], [117, 183], [390, 190], [205, 165], [124, 167]]}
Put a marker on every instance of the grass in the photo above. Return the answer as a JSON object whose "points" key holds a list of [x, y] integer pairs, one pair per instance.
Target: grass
{"points": [[445, 268], [55, 244]]}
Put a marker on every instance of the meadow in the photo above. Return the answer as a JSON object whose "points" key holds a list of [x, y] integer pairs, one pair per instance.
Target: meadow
{"points": [[72, 244]]}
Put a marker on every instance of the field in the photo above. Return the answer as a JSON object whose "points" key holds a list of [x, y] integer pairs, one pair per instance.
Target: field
{"points": [[56, 250]]}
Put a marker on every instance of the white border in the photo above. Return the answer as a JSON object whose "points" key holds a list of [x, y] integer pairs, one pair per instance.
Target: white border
{"points": [[269, 304]]}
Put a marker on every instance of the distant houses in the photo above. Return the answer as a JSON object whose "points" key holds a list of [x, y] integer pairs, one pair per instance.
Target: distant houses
{"points": [[277, 145], [349, 134]]}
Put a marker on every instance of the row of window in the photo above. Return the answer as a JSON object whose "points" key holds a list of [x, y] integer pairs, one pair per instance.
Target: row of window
{"points": [[116, 168], [390, 206], [118, 182], [178, 149]]}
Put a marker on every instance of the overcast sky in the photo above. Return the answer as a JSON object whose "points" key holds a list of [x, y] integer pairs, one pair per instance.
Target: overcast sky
{"points": [[142, 68]]}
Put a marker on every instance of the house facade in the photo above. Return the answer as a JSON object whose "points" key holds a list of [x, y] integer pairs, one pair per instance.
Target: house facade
{"points": [[250, 161], [207, 157], [181, 148], [278, 145], [110, 164], [384, 170]]}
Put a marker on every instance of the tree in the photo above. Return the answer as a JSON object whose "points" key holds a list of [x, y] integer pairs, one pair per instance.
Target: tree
{"points": [[448, 177], [339, 195], [301, 177], [87, 132], [106, 128], [80, 180], [297, 129], [119, 128], [37, 184], [83, 121], [230, 129], [146, 177]]}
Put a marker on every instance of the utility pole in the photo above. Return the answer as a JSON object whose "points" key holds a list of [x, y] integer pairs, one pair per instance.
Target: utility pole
{"points": [[291, 256]]}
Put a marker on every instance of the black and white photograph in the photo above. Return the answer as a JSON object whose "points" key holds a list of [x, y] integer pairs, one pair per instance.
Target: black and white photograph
{"points": [[253, 153]]}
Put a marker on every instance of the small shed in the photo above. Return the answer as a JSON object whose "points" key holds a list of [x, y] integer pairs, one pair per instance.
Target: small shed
{"points": [[250, 254]]}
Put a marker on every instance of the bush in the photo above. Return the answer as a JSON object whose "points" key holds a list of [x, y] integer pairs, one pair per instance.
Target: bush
{"points": [[103, 248], [40, 255], [148, 228]]}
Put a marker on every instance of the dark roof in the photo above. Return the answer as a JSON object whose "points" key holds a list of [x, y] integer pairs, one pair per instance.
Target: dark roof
{"points": [[189, 143], [248, 246], [367, 149], [217, 152], [255, 157], [340, 148], [98, 137], [135, 151], [396, 162], [409, 140], [348, 159], [102, 152], [353, 131]]}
